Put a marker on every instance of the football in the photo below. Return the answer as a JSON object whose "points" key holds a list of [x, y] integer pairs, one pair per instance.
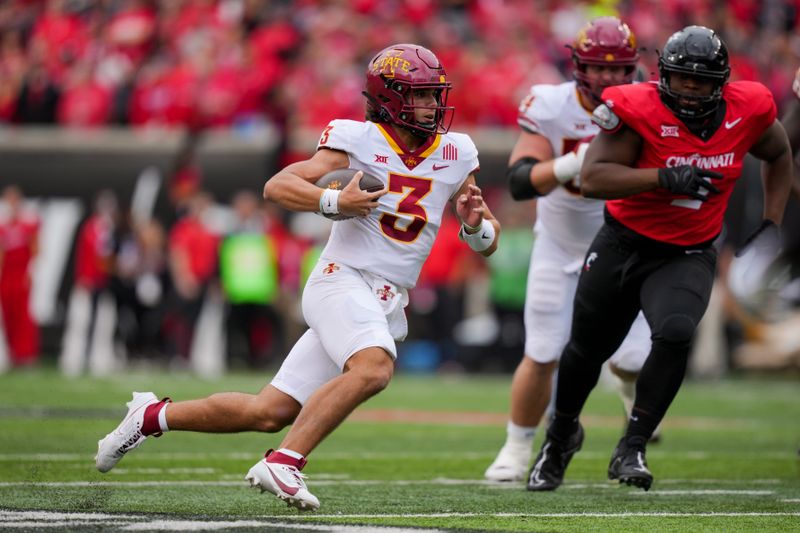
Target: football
{"points": [[338, 179]]}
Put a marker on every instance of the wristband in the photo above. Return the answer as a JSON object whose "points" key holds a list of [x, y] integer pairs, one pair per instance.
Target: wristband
{"points": [[566, 167], [471, 230], [329, 202], [481, 240]]}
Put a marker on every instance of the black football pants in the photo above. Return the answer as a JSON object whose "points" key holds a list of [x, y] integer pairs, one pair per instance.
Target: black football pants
{"points": [[623, 273]]}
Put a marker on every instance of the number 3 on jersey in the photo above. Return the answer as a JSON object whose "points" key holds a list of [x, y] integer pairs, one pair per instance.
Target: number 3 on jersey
{"points": [[408, 205]]}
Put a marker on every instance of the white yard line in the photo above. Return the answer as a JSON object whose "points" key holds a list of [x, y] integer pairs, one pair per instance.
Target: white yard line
{"points": [[47, 520], [188, 525], [395, 482]]}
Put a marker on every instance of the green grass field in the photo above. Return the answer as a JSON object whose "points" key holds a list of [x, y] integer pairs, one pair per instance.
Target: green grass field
{"points": [[728, 462]]}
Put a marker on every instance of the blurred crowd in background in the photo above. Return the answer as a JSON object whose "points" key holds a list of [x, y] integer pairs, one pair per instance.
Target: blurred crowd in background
{"points": [[220, 287], [220, 281], [223, 63]]}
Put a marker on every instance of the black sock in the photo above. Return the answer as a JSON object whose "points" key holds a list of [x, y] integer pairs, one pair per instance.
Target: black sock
{"points": [[562, 426], [657, 385], [577, 376]]}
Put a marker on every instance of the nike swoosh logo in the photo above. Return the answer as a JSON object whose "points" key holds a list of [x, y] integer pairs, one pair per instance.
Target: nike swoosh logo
{"points": [[437, 167], [729, 125], [484, 236], [536, 477], [640, 467], [291, 491]]}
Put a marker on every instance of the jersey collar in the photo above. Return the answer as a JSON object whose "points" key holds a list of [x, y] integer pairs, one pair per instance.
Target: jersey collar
{"points": [[409, 158]]}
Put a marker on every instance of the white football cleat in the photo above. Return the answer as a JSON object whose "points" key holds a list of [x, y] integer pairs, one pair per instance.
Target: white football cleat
{"points": [[511, 464], [285, 482], [127, 435]]}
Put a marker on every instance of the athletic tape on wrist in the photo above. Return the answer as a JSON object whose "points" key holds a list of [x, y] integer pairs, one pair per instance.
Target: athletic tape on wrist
{"points": [[329, 202], [480, 240], [566, 167]]}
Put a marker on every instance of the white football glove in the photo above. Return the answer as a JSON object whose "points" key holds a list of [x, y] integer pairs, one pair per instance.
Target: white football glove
{"points": [[568, 166]]}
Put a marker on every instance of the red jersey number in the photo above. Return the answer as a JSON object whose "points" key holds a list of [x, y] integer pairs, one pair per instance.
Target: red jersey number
{"points": [[409, 205], [325, 133]]}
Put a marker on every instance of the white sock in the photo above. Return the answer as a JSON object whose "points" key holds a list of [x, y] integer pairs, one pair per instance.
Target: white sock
{"points": [[290, 453], [162, 418], [520, 435], [627, 392]]}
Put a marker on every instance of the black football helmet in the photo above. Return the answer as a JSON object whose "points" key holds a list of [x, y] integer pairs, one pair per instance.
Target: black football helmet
{"points": [[698, 51]]}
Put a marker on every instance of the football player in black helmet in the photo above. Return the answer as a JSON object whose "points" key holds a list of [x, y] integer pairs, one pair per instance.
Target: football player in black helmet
{"points": [[693, 64]]}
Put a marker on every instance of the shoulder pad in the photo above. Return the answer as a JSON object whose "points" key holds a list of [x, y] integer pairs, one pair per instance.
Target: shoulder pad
{"points": [[604, 117]]}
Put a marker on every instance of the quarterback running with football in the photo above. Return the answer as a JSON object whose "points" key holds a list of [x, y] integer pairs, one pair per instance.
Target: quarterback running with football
{"points": [[545, 164], [354, 300], [666, 162]]}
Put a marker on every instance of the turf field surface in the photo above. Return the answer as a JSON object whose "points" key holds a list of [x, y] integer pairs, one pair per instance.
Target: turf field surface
{"points": [[412, 457]]}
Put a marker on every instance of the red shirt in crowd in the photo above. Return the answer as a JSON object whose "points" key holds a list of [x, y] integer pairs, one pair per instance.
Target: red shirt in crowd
{"points": [[17, 247], [93, 251], [63, 38], [199, 245], [85, 104]]}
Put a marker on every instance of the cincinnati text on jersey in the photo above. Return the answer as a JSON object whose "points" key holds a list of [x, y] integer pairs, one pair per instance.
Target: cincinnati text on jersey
{"points": [[699, 161]]}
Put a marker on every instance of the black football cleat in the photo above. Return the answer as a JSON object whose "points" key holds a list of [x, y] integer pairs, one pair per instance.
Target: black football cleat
{"points": [[548, 469], [629, 464]]}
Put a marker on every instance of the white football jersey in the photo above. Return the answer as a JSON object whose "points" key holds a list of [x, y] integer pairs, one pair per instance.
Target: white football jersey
{"points": [[555, 112], [395, 239]]}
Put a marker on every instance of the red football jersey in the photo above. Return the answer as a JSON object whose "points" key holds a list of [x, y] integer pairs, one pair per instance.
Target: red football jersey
{"points": [[676, 219]]}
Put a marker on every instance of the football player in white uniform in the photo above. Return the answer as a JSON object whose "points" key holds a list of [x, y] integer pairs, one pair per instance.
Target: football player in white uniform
{"points": [[544, 164], [353, 301]]}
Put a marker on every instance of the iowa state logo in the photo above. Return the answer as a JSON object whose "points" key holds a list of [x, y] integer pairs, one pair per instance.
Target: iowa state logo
{"points": [[330, 268], [385, 293]]}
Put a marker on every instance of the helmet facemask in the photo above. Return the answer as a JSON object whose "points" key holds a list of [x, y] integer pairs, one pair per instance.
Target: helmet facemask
{"points": [[590, 87], [702, 106]]}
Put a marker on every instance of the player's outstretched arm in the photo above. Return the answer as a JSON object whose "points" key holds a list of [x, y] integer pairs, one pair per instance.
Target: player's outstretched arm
{"points": [[607, 167], [791, 123], [791, 118], [774, 150], [479, 229]]}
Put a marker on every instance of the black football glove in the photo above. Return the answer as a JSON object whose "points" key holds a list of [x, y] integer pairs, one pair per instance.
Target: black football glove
{"points": [[688, 180]]}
